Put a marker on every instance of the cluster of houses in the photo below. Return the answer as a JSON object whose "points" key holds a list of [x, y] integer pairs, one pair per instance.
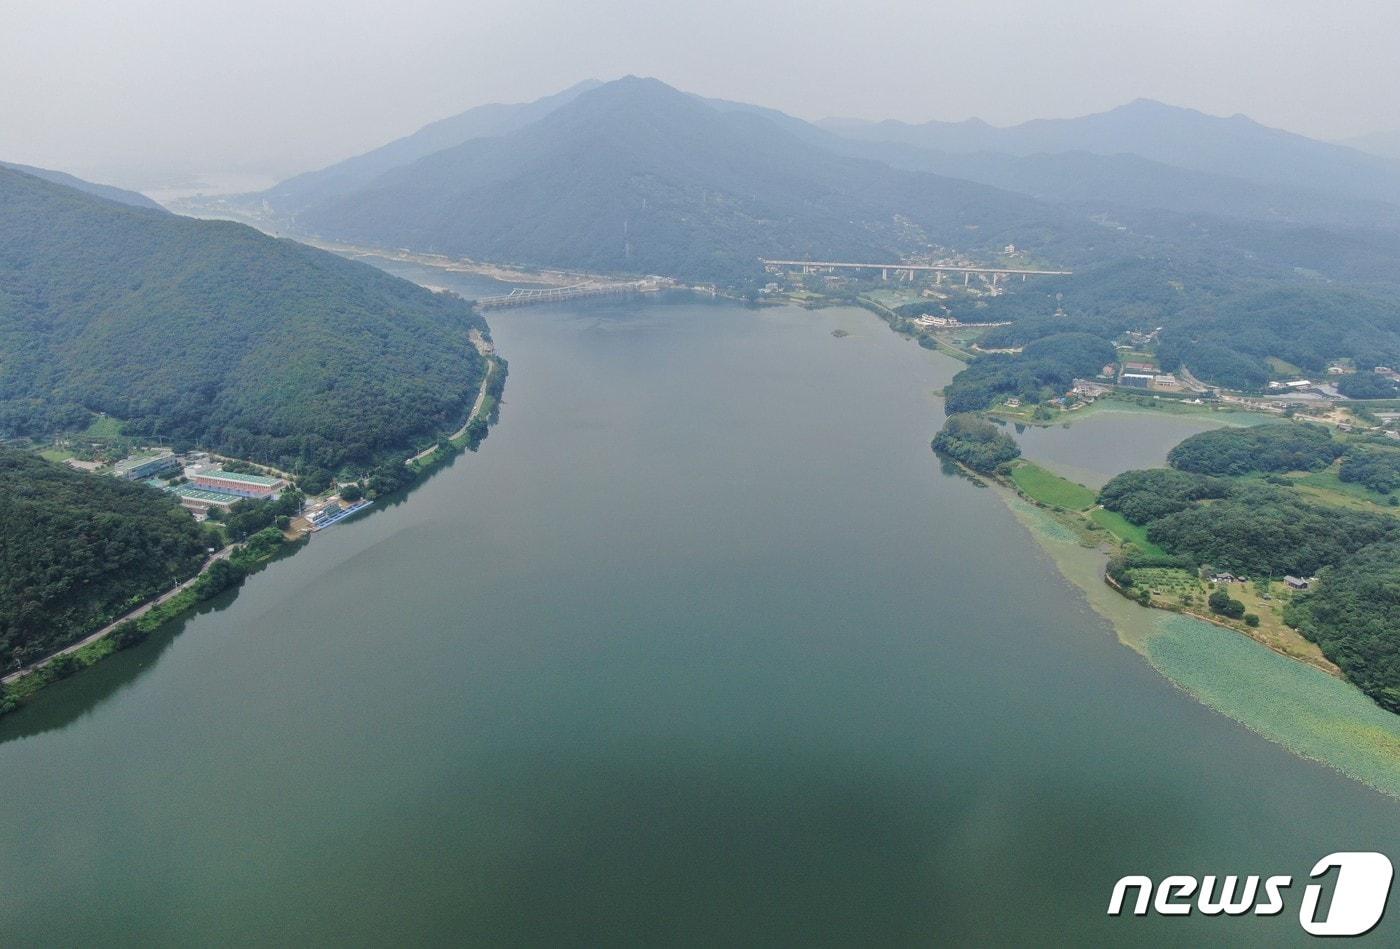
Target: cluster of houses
{"points": [[1292, 582]]}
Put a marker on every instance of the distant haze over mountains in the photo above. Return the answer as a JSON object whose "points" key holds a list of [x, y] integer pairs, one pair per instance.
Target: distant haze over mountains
{"points": [[120, 195], [484, 121], [633, 176], [1236, 146], [1384, 144]]}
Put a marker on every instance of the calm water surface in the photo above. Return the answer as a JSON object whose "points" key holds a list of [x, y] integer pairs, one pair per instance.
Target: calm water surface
{"points": [[1103, 442], [700, 647]]}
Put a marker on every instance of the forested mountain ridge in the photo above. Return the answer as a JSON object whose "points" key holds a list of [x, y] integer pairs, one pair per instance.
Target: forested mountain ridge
{"points": [[111, 193], [213, 334], [1236, 146], [637, 177], [76, 551], [1122, 180]]}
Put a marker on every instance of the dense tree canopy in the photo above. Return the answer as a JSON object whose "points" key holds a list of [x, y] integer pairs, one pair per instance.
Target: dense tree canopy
{"points": [[1271, 531], [1354, 615], [1302, 325], [1222, 322], [1243, 526], [1046, 366], [1367, 385], [1376, 467], [210, 333], [1278, 446], [76, 550], [1144, 496], [976, 443]]}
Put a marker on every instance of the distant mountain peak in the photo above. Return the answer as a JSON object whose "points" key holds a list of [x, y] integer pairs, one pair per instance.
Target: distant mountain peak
{"points": [[1144, 103], [637, 88]]}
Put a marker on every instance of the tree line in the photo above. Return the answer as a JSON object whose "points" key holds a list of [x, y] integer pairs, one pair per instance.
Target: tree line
{"points": [[1209, 509], [76, 551]]}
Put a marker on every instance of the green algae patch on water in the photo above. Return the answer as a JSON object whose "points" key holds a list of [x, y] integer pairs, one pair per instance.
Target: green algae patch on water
{"points": [[1298, 706], [1081, 560]]}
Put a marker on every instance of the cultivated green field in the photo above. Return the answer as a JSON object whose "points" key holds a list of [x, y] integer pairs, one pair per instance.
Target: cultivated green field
{"points": [[1050, 489], [1328, 487], [1167, 581], [1126, 531]]}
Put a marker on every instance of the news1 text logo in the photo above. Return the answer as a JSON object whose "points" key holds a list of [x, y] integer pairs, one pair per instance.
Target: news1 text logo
{"points": [[1358, 889]]}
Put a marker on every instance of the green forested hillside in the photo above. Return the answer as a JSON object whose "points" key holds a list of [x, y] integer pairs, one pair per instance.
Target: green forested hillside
{"points": [[1228, 341], [120, 195], [210, 333], [1274, 446], [78, 550], [1220, 318], [1046, 366], [1354, 615]]}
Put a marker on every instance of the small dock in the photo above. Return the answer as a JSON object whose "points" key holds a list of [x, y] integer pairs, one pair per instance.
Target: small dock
{"points": [[331, 515]]}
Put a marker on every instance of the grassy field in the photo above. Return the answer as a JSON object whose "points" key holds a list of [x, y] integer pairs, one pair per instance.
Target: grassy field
{"points": [[1326, 486], [1050, 489], [1126, 531], [104, 426], [893, 299], [1282, 368]]}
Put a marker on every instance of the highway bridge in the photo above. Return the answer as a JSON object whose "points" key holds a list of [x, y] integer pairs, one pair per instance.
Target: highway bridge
{"points": [[994, 274], [522, 297]]}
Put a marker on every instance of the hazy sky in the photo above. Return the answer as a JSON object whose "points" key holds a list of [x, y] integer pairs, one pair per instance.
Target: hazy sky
{"points": [[134, 90]]}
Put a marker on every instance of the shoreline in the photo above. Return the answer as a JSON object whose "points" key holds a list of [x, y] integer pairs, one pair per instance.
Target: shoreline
{"points": [[131, 629], [149, 606], [19, 688], [1289, 702], [1284, 699], [1107, 543]]}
